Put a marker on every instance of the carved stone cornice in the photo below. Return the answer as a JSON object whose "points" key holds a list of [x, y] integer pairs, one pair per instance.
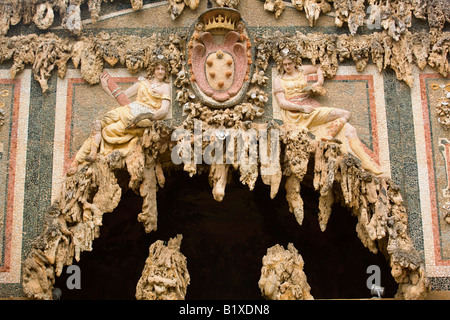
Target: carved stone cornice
{"points": [[393, 16]]}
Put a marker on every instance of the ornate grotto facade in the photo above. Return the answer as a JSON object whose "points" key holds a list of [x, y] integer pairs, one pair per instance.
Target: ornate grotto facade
{"points": [[322, 110]]}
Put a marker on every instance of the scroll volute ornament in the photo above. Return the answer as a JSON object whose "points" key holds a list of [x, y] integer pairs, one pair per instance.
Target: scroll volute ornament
{"points": [[220, 58]]}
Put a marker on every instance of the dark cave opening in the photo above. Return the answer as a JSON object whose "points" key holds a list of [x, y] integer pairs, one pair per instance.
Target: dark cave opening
{"points": [[224, 244]]}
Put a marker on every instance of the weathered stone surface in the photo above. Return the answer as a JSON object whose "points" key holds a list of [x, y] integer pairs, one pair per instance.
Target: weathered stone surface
{"points": [[72, 223], [282, 275], [75, 218], [165, 275]]}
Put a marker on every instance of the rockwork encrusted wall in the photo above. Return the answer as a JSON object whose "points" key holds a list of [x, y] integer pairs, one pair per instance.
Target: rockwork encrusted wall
{"points": [[389, 67]]}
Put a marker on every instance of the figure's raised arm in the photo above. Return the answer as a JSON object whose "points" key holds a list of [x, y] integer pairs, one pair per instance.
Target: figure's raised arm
{"points": [[113, 89], [317, 69], [104, 78]]}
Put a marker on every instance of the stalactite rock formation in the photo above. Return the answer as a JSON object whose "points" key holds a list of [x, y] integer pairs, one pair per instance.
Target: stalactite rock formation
{"points": [[275, 6], [74, 219], [93, 53], [378, 206], [72, 223], [393, 16], [282, 275], [165, 275]]}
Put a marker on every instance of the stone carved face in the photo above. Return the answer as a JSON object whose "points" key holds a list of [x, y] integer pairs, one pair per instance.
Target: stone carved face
{"points": [[288, 65], [160, 72]]}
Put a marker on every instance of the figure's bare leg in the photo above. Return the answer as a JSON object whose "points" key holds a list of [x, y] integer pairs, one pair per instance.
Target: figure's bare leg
{"points": [[337, 119], [333, 129], [88, 151], [97, 138], [357, 147]]}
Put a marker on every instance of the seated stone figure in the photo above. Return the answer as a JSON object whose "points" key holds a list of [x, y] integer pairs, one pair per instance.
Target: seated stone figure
{"points": [[328, 124], [116, 129]]}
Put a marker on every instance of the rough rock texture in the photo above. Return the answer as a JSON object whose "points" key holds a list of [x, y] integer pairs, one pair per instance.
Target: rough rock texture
{"points": [[393, 16], [72, 223], [91, 54], [443, 108], [379, 48], [176, 7], [228, 3], [275, 6], [446, 214], [146, 174], [74, 219], [42, 12], [165, 275], [282, 275], [376, 202], [312, 8], [3, 94], [44, 16]]}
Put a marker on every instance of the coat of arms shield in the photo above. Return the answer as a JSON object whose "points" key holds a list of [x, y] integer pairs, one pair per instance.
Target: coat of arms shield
{"points": [[220, 57]]}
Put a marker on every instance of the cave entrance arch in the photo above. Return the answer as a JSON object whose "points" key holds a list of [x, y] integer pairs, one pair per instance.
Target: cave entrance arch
{"points": [[224, 243]]}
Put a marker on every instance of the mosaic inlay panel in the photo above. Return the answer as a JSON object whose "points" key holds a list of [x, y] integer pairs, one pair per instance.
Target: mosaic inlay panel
{"points": [[14, 100], [433, 162]]}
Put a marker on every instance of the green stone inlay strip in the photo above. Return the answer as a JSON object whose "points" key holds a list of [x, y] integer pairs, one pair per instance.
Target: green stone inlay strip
{"points": [[39, 159], [402, 151]]}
